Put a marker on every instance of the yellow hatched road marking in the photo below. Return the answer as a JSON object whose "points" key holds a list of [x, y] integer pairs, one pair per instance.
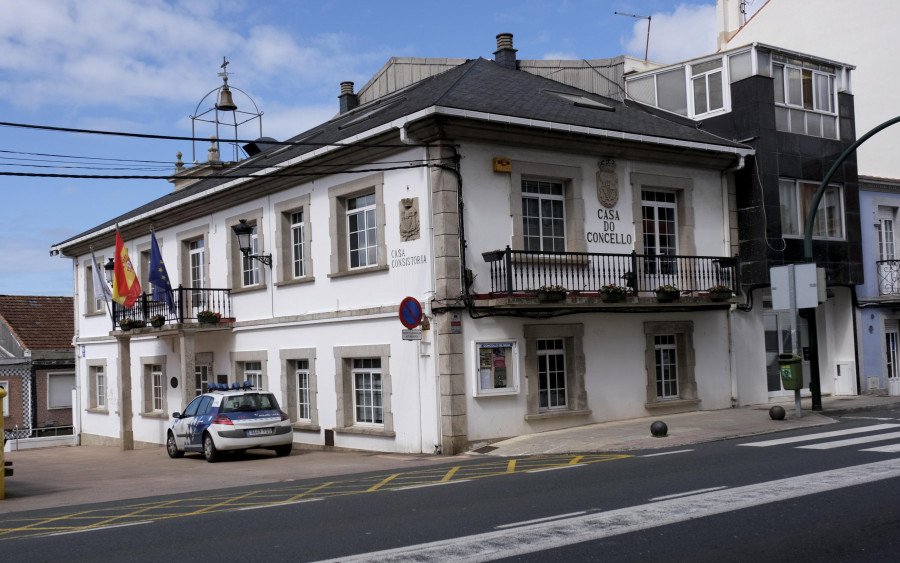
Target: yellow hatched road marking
{"points": [[384, 482], [511, 466], [576, 459], [449, 475], [314, 489], [228, 501]]}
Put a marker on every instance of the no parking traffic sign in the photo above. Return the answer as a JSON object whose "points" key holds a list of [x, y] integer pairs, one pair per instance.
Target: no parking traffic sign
{"points": [[410, 312]]}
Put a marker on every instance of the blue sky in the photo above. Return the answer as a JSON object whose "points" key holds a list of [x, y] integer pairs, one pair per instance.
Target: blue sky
{"points": [[142, 66]]}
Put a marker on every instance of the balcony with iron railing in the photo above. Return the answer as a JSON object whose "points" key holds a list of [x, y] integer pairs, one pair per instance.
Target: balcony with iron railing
{"points": [[188, 303], [520, 275], [888, 276]]}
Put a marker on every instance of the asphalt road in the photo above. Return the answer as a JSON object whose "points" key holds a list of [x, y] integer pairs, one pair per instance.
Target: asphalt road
{"points": [[822, 496]]}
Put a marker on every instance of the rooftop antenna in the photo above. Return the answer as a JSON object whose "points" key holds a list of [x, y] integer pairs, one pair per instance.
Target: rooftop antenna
{"points": [[648, 18]]}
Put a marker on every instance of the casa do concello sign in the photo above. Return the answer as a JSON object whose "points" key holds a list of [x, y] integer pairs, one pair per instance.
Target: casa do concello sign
{"points": [[411, 318]]}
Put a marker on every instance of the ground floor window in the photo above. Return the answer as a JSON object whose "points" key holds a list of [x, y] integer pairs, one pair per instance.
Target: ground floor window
{"points": [[554, 361], [669, 363], [367, 392], [891, 339], [303, 387], [97, 385], [363, 387], [201, 378], [154, 388], [253, 374], [551, 373], [666, 366]]}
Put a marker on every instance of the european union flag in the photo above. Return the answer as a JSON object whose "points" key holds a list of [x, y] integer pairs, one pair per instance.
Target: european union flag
{"points": [[159, 277]]}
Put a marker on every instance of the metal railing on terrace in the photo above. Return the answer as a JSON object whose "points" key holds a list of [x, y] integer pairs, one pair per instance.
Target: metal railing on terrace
{"points": [[523, 271], [888, 277], [188, 302]]}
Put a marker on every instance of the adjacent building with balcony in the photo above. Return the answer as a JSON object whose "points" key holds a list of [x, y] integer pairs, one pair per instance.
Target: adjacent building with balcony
{"points": [[579, 257]]}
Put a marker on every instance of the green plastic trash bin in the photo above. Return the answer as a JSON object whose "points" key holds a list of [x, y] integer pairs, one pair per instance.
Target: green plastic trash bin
{"points": [[791, 371]]}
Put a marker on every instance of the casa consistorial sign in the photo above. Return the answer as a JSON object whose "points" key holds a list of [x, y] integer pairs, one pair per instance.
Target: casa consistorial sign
{"points": [[607, 183]]}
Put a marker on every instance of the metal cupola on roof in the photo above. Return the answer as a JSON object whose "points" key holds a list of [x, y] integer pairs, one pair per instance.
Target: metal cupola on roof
{"points": [[223, 117]]}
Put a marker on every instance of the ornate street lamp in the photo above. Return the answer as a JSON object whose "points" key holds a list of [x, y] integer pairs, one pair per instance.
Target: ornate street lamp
{"points": [[244, 233]]}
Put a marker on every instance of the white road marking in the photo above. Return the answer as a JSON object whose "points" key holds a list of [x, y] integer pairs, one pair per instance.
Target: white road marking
{"points": [[430, 485], [868, 417], [893, 448], [102, 528], [689, 493], [666, 453], [536, 520], [851, 442], [555, 468], [532, 538], [821, 435]]}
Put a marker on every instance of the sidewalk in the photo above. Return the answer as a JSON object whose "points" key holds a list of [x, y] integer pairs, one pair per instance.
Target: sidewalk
{"points": [[69, 476], [684, 429]]}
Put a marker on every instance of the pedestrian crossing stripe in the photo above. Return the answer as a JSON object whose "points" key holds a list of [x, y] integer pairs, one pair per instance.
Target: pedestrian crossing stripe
{"points": [[893, 448], [851, 441], [821, 435]]}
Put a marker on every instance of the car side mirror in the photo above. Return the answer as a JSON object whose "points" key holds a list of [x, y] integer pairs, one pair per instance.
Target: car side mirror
{"points": [[176, 415]]}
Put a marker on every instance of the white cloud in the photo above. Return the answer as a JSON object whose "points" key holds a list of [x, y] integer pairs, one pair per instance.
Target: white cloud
{"points": [[560, 56], [688, 32]]}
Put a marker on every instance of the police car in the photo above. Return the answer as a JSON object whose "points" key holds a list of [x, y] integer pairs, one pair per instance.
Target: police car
{"points": [[229, 419]]}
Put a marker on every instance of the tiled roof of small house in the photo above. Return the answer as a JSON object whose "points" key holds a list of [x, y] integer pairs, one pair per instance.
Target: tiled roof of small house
{"points": [[39, 322], [477, 86]]}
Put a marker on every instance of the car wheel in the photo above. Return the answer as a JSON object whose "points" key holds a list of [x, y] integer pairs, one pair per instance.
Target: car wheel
{"points": [[172, 447], [284, 450], [209, 449]]}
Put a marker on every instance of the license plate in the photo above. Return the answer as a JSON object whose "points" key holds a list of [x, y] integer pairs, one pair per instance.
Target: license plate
{"points": [[259, 432]]}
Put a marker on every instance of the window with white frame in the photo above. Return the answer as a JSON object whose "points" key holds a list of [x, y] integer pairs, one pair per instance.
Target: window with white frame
{"points": [[367, 391], [154, 389], [669, 363], [253, 374], [665, 353], [362, 238], [796, 199], [891, 354], [197, 272], [201, 378], [97, 387], [543, 215], [59, 390], [707, 85], [660, 236], [250, 266], [554, 361], [551, 372], [298, 245], [304, 404], [885, 227], [805, 96], [93, 304]]}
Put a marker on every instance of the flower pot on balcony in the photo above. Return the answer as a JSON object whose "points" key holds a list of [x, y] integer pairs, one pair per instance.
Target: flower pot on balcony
{"points": [[720, 294], [608, 297], [551, 296], [208, 317], [667, 296], [157, 321]]}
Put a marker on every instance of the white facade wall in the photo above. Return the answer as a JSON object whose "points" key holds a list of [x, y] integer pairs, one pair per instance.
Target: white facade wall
{"points": [[352, 310]]}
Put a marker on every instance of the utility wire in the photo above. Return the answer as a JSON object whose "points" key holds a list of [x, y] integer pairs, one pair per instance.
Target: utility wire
{"points": [[217, 176]]}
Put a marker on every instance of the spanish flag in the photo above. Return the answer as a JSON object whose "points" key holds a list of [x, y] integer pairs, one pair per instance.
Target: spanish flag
{"points": [[126, 287]]}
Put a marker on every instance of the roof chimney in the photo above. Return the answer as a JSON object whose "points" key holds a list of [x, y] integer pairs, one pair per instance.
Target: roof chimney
{"points": [[348, 99], [505, 55]]}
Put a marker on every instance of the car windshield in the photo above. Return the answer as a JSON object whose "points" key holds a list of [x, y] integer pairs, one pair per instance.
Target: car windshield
{"points": [[250, 402]]}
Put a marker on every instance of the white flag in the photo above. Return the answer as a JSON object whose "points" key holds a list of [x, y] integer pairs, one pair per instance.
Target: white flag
{"points": [[101, 286]]}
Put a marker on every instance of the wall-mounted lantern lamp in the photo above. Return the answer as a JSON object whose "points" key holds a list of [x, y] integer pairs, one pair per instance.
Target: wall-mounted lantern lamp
{"points": [[109, 267], [244, 233]]}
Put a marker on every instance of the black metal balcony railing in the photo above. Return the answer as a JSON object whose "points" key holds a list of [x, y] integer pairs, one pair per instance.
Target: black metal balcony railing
{"points": [[519, 271], [188, 302], [888, 277]]}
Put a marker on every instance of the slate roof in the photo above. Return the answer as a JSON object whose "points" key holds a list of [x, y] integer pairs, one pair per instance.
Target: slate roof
{"points": [[39, 322], [479, 85]]}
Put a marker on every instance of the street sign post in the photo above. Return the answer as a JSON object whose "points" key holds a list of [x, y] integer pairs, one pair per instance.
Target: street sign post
{"points": [[410, 312]]}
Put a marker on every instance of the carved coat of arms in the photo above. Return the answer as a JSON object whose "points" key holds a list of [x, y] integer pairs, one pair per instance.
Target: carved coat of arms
{"points": [[607, 183], [409, 219]]}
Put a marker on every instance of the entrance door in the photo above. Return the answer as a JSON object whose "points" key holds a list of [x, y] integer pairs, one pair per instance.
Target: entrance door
{"points": [[891, 340], [778, 341]]}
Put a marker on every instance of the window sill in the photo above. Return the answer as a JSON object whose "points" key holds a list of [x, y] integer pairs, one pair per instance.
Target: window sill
{"points": [[250, 289], [95, 314], [306, 426], [296, 281], [365, 431], [159, 415], [95, 410], [356, 271], [557, 414], [666, 403]]}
